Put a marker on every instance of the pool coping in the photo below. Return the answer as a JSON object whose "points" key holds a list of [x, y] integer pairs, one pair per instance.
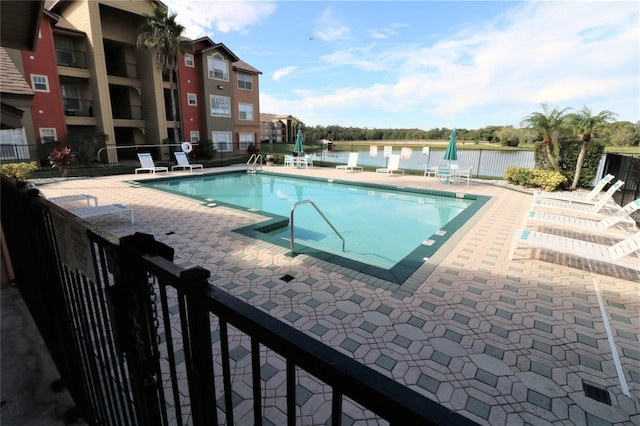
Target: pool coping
{"points": [[399, 274]]}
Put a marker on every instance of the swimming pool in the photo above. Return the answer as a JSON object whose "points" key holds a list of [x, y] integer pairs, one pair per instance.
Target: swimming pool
{"points": [[386, 231]]}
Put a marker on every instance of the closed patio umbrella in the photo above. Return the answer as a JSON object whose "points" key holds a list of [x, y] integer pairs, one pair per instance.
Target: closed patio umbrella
{"points": [[298, 148], [451, 154]]}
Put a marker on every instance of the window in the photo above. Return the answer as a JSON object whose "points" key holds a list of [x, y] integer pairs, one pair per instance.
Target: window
{"points": [[221, 141], [40, 83], [188, 60], [246, 139], [48, 134], [71, 97], [192, 99], [64, 51], [245, 111], [220, 105], [194, 135], [245, 81], [218, 67]]}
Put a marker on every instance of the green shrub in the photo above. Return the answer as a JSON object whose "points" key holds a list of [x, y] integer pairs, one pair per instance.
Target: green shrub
{"points": [[205, 149], [535, 178], [19, 171]]}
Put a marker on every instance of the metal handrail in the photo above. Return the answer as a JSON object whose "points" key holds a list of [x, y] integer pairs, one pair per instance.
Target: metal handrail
{"points": [[293, 208], [252, 161]]}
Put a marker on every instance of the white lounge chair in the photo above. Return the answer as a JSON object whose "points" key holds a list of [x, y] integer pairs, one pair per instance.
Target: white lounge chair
{"points": [[583, 207], [288, 160], [601, 226], [392, 166], [89, 212], [183, 162], [147, 165], [611, 254], [308, 160], [64, 199], [352, 163], [573, 197]]}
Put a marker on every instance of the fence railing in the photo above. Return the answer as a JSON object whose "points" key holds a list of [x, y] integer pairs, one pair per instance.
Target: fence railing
{"points": [[627, 169], [126, 327]]}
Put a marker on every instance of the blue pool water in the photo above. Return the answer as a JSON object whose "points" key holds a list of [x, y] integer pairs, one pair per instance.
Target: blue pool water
{"points": [[382, 226]]}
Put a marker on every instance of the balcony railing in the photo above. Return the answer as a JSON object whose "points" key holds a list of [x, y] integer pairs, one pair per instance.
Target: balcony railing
{"points": [[130, 112], [71, 58], [77, 108], [126, 69]]}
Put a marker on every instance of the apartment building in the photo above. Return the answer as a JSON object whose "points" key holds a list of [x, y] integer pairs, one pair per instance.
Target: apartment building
{"points": [[87, 73]]}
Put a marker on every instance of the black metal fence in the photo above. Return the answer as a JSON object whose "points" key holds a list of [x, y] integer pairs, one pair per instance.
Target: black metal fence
{"points": [[627, 169], [139, 340]]}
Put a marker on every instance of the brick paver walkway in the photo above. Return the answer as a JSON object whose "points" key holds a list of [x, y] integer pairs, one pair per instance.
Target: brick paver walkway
{"points": [[502, 342]]}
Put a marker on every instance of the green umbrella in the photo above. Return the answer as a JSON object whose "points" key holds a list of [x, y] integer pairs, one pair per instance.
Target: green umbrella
{"points": [[451, 153]]}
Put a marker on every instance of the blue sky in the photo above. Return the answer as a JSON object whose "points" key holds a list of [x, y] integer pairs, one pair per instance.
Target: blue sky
{"points": [[426, 64]]}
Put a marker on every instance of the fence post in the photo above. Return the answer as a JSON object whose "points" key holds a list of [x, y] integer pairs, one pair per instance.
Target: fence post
{"points": [[134, 314]]}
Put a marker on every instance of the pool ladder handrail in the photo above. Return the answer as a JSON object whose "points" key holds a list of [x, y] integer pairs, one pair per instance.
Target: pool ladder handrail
{"points": [[252, 163], [291, 232]]}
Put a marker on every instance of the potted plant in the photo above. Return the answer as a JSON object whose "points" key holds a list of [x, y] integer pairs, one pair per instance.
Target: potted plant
{"points": [[61, 158]]}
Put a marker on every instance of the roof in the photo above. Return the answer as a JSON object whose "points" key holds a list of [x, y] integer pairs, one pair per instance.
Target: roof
{"points": [[20, 23], [242, 65], [12, 82]]}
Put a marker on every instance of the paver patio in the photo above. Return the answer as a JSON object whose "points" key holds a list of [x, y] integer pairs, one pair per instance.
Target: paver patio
{"points": [[502, 342]]}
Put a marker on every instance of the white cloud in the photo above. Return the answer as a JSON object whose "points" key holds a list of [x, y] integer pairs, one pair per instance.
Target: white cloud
{"points": [[329, 27], [539, 52], [282, 72], [202, 17]]}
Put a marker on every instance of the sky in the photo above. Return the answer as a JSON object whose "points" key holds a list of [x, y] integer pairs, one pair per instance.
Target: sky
{"points": [[428, 64]]}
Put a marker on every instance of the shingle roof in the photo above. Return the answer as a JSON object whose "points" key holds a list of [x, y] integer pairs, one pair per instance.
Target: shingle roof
{"points": [[11, 81]]}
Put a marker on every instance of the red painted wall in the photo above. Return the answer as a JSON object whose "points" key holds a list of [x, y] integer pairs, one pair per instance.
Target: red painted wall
{"points": [[189, 82], [47, 110]]}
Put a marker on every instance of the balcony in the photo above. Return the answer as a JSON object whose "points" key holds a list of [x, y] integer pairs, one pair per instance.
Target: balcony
{"points": [[77, 108], [71, 58], [127, 112]]}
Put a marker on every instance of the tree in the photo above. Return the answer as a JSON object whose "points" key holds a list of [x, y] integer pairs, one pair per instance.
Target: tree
{"points": [[549, 123], [586, 123], [163, 35]]}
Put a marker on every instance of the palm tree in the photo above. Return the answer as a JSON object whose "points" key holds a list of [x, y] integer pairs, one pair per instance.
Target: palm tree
{"points": [[549, 123], [162, 34], [586, 123]]}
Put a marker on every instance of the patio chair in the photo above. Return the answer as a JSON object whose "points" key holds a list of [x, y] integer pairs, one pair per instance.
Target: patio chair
{"points": [[430, 170], [601, 226], [308, 160], [89, 212], [605, 253], [576, 198], [392, 166], [464, 174], [146, 164], [288, 160], [583, 207], [352, 163], [183, 162]]}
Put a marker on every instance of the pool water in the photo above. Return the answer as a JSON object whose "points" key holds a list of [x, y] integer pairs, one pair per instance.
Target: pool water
{"points": [[383, 227]]}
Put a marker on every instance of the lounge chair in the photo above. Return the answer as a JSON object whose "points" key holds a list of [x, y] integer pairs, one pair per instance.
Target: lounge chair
{"points": [[352, 163], [392, 166], [89, 212], [602, 226], [64, 199], [146, 164], [183, 162], [593, 251], [576, 198], [583, 207]]}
